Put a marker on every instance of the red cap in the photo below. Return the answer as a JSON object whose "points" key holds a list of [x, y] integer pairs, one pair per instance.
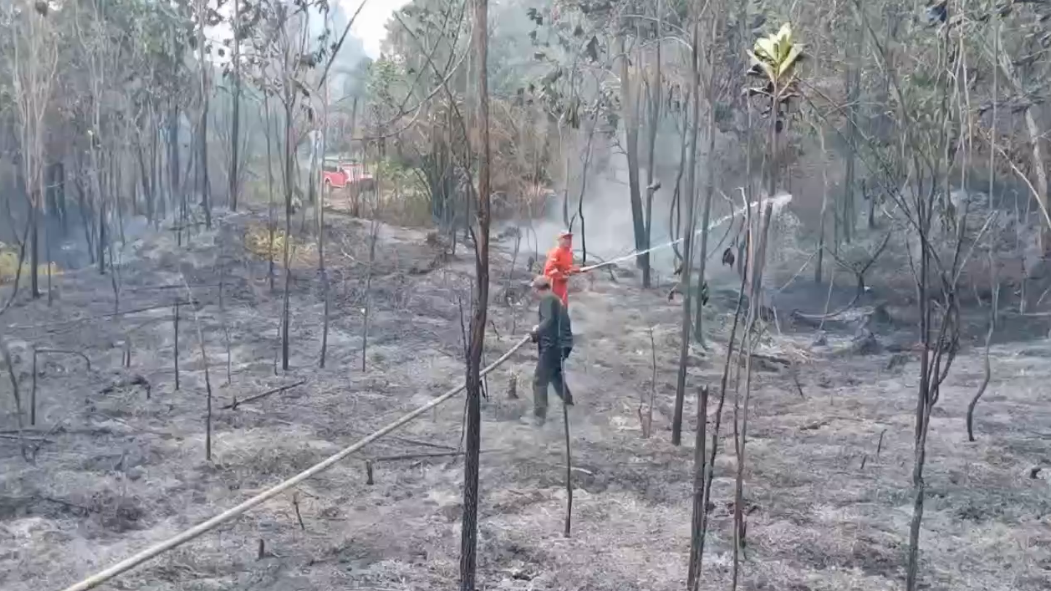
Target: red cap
{"points": [[565, 234]]}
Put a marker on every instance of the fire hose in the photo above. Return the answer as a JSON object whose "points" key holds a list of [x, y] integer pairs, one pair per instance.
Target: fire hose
{"points": [[187, 535], [775, 202]]}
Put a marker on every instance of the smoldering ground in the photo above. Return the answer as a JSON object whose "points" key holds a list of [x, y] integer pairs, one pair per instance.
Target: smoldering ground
{"points": [[117, 472]]}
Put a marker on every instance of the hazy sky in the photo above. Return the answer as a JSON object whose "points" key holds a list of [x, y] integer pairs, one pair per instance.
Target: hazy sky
{"points": [[371, 24], [370, 27]]}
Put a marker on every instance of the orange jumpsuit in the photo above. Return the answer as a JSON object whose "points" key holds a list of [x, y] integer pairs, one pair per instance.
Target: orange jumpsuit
{"points": [[558, 268]]}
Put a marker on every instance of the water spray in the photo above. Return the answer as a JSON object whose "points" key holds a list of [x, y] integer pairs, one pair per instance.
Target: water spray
{"points": [[776, 203]]}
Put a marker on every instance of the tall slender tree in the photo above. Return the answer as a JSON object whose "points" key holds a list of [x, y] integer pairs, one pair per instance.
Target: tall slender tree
{"points": [[709, 174], [630, 113], [235, 119], [35, 61], [655, 96], [469, 532], [690, 196]]}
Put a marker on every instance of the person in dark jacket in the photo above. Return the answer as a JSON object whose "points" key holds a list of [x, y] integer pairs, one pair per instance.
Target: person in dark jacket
{"points": [[554, 339]]}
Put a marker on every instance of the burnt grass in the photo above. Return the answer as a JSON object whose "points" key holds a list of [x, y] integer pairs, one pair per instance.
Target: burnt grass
{"points": [[828, 471]]}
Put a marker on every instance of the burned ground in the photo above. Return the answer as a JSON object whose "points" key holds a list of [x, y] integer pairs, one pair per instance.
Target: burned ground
{"points": [[827, 477]]}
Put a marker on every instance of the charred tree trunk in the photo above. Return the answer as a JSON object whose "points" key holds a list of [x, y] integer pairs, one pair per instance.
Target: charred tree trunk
{"points": [[116, 189], [1036, 157], [690, 195], [202, 130], [709, 185], [852, 83], [270, 194], [86, 215], [159, 209], [175, 332], [924, 403], [202, 162], [469, 531], [103, 238], [818, 266], [146, 181], [34, 241], [173, 158], [700, 510], [675, 208], [631, 134], [289, 180], [651, 160], [321, 242], [235, 131]]}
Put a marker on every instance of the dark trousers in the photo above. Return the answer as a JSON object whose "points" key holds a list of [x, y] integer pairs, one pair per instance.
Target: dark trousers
{"points": [[549, 373]]}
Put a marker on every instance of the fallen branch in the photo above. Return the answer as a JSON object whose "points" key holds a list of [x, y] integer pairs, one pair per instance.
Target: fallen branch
{"points": [[233, 405], [815, 425], [573, 468], [86, 510], [411, 441], [135, 380], [858, 273], [25, 438], [87, 361], [421, 456], [102, 415], [770, 358], [169, 286], [195, 303]]}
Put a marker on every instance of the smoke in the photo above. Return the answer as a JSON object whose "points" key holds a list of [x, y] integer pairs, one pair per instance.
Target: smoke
{"points": [[65, 243], [607, 230]]}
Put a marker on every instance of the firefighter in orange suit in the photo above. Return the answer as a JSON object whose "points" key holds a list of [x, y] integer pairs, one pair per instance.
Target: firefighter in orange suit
{"points": [[559, 266]]}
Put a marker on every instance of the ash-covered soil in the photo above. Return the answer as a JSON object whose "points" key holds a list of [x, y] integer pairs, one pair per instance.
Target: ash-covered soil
{"points": [[118, 466]]}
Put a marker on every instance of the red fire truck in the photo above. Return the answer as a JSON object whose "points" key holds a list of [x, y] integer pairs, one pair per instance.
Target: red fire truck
{"points": [[345, 175]]}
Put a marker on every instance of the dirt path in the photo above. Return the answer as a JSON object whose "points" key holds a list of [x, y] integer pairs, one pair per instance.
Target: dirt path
{"points": [[826, 511]]}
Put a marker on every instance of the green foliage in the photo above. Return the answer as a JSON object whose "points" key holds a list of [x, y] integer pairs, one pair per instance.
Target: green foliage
{"points": [[776, 56], [390, 170], [565, 41], [275, 33], [383, 74]]}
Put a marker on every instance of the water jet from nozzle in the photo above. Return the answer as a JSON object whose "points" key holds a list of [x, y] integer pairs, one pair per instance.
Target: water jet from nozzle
{"points": [[776, 204]]}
